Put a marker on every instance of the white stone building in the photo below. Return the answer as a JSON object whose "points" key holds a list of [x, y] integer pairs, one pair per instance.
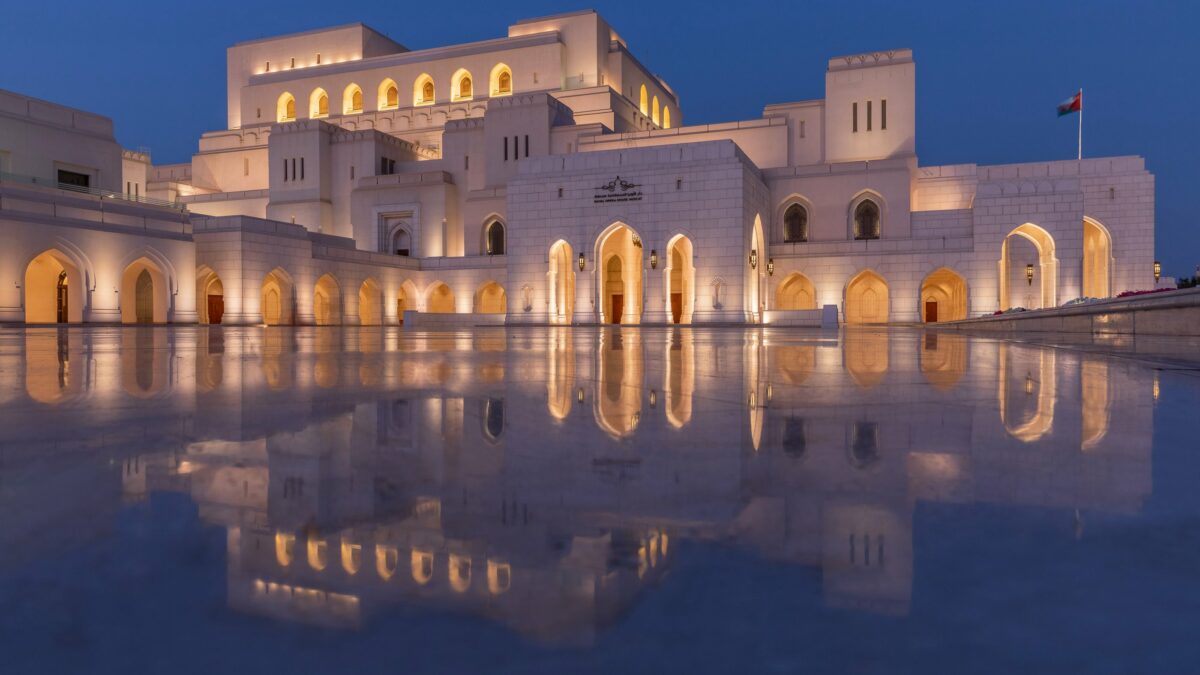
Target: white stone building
{"points": [[547, 177]]}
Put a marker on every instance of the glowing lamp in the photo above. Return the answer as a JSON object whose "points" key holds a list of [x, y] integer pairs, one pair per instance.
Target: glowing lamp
{"points": [[1029, 274], [653, 259], [753, 258], [770, 267], [653, 398], [582, 262], [1157, 271]]}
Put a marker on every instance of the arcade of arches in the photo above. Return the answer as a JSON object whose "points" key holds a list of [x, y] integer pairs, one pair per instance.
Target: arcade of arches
{"points": [[327, 302], [491, 299], [143, 293], [440, 299], [795, 293], [370, 304]]}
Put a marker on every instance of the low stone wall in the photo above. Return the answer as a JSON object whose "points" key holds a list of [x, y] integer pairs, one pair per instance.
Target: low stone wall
{"points": [[429, 321], [1166, 313], [826, 317]]}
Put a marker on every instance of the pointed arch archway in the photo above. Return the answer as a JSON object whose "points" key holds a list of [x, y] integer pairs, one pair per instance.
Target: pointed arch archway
{"points": [[285, 108], [423, 90], [1028, 246], [352, 99], [278, 298], [462, 85], [370, 303], [406, 299], [491, 299], [795, 293], [756, 272], [144, 292], [210, 296], [866, 299], [619, 255], [439, 299], [680, 279], [561, 282], [943, 296], [54, 289], [327, 301], [1097, 259]]}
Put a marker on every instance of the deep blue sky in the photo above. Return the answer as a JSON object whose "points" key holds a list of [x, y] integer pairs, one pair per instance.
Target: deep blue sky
{"points": [[988, 74]]}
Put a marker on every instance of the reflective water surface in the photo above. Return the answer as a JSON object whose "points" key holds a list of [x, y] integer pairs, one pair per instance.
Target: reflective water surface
{"points": [[592, 500]]}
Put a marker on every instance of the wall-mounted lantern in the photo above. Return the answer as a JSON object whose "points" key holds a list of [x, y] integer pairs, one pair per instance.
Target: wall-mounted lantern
{"points": [[770, 267], [653, 398], [1029, 274], [1157, 271], [653, 258], [582, 262], [753, 258]]}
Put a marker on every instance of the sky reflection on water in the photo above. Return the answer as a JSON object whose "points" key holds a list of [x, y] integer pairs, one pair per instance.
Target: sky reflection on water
{"points": [[314, 499]]}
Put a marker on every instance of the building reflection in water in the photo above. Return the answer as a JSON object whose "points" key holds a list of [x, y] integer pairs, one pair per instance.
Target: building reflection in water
{"points": [[544, 479]]}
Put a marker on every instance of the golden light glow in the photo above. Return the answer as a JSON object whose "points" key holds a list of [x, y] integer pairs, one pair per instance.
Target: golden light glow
{"points": [[285, 548], [501, 80], [351, 557], [423, 90], [285, 108], [459, 572], [387, 559], [318, 553], [352, 99], [421, 564], [866, 299], [499, 577]]}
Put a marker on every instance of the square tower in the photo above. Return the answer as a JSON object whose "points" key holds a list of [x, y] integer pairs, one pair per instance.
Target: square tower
{"points": [[870, 106]]}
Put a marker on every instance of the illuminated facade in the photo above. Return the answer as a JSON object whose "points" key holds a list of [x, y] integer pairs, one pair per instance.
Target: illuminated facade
{"points": [[548, 177]]}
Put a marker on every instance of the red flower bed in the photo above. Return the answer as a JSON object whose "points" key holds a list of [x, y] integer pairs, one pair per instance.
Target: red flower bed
{"points": [[1127, 294]]}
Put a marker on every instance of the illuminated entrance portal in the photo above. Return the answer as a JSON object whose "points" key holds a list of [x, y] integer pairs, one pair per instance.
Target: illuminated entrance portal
{"points": [[1028, 269], [327, 302], [561, 279], [210, 297], [1097, 259], [277, 298], [52, 290], [681, 280], [943, 297], [796, 292], [619, 250]]}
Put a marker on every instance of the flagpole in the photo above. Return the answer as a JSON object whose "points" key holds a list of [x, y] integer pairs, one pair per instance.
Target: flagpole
{"points": [[1079, 154]]}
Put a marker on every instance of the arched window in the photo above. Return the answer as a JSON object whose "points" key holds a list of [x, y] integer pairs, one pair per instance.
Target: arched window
{"points": [[389, 95], [461, 85], [504, 83], [643, 104], [285, 109], [318, 105], [666, 117], [494, 238], [401, 242], [866, 220], [352, 101], [654, 110], [795, 223], [423, 91]]}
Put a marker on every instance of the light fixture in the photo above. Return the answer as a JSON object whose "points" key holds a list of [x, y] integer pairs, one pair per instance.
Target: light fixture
{"points": [[1157, 271], [753, 258], [579, 395], [653, 398], [770, 267], [1029, 273], [1028, 384], [653, 259], [582, 262]]}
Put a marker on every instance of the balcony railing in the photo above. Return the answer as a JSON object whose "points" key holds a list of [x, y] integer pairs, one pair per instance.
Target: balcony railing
{"points": [[103, 194]]}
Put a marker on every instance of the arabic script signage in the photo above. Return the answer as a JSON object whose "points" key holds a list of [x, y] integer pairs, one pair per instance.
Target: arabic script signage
{"points": [[617, 190]]}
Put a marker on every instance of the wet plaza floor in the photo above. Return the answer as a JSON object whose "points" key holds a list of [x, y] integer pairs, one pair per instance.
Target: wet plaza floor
{"points": [[202, 500]]}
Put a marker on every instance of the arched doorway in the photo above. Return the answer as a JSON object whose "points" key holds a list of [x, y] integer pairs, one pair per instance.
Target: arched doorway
{"points": [[795, 293], [491, 299], [1028, 269], [277, 298], [370, 303], [943, 296], [327, 301], [143, 293], [440, 299], [53, 289], [866, 299], [619, 250], [757, 265], [1097, 260], [210, 296], [681, 279], [561, 278]]}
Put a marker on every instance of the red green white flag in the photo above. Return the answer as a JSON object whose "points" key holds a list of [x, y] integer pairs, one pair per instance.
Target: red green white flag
{"points": [[1071, 105]]}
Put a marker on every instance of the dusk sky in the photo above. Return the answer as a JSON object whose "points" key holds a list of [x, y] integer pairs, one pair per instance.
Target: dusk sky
{"points": [[989, 75]]}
